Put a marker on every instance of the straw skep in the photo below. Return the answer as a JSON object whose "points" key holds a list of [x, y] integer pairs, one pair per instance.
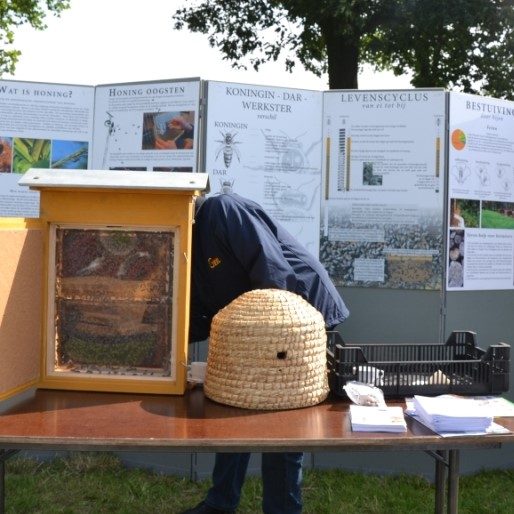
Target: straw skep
{"points": [[267, 350]]}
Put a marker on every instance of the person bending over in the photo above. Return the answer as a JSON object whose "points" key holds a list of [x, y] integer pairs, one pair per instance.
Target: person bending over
{"points": [[237, 247]]}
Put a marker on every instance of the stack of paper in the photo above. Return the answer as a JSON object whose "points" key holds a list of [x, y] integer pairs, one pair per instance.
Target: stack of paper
{"points": [[452, 414], [377, 419]]}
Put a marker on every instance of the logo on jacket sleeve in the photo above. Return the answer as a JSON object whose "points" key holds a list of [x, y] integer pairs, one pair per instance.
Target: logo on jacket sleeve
{"points": [[213, 262]]}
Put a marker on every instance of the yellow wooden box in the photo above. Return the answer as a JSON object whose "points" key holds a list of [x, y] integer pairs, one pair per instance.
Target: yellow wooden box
{"points": [[114, 296]]}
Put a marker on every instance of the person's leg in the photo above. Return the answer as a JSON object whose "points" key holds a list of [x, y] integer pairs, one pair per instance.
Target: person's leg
{"points": [[282, 483], [227, 480]]}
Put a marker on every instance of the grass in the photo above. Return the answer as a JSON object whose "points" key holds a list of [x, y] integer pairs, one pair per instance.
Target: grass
{"points": [[493, 219], [96, 483]]}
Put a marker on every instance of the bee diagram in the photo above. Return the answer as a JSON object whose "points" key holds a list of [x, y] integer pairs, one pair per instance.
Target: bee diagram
{"points": [[504, 177], [228, 148], [299, 199], [483, 175], [289, 151], [226, 186], [111, 129], [460, 173]]}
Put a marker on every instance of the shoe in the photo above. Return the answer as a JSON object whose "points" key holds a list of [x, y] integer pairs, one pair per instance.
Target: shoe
{"points": [[202, 508]]}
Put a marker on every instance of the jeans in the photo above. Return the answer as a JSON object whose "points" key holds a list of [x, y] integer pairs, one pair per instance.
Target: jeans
{"points": [[281, 482]]}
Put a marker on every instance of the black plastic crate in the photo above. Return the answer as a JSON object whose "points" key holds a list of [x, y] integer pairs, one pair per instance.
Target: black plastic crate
{"points": [[459, 366]]}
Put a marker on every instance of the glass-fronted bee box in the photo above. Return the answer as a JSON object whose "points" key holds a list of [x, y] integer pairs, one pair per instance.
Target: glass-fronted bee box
{"points": [[113, 301], [117, 278]]}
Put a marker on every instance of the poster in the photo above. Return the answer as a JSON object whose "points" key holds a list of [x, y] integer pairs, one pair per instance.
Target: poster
{"points": [[41, 126], [383, 182], [480, 193], [147, 126], [264, 143]]}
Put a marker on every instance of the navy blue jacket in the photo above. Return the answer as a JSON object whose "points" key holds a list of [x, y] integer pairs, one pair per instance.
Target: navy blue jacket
{"points": [[237, 247]]}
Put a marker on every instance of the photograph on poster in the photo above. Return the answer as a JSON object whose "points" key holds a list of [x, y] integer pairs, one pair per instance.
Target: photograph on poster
{"points": [[30, 153], [365, 247], [127, 168], [464, 213], [456, 259], [5, 155], [17, 155], [368, 177], [71, 155], [181, 169], [498, 215], [168, 130]]}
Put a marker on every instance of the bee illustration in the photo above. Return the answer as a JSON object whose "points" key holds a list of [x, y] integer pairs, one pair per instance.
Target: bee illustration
{"points": [[290, 153], [111, 129], [228, 147], [294, 199], [226, 186]]}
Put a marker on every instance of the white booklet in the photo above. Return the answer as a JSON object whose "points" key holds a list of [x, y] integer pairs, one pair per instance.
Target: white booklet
{"points": [[377, 419], [448, 413], [462, 426]]}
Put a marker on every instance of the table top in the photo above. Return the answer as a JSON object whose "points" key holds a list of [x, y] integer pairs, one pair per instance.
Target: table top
{"points": [[77, 420]]}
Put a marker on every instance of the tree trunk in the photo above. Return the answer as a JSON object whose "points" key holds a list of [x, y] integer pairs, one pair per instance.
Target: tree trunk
{"points": [[342, 57]]}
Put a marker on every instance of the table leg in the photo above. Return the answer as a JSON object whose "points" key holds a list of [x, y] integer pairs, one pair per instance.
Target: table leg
{"points": [[193, 468], [453, 481], [4, 455], [440, 481], [2, 483]]}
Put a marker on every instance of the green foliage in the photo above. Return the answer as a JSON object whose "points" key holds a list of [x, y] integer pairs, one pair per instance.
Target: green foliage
{"points": [[92, 483], [493, 219], [466, 45], [31, 153], [469, 210], [14, 13], [98, 482]]}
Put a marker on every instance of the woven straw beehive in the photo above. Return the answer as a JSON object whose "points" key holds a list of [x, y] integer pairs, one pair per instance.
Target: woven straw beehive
{"points": [[267, 350]]}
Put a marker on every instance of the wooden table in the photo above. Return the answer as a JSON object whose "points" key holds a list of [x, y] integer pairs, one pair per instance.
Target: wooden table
{"points": [[84, 421]]}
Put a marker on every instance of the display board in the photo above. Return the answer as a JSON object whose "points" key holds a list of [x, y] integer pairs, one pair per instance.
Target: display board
{"points": [[264, 143], [361, 178], [41, 126], [383, 188], [480, 193], [147, 126]]}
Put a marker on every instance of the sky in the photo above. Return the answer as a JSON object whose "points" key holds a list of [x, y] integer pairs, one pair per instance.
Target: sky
{"points": [[116, 41]]}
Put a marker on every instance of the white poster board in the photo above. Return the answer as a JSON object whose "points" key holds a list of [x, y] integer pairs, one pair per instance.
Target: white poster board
{"points": [[264, 143], [41, 126], [147, 126], [480, 193], [383, 188]]}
